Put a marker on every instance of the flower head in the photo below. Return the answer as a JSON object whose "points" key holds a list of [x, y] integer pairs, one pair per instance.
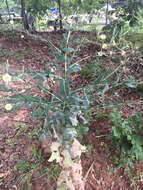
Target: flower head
{"points": [[22, 36], [100, 54], [102, 143], [123, 53], [104, 46], [102, 36], [8, 107], [6, 78], [111, 53], [11, 22], [113, 43]]}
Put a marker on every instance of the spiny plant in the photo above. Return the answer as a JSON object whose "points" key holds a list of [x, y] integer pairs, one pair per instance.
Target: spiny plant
{"points": [[62, 109]]}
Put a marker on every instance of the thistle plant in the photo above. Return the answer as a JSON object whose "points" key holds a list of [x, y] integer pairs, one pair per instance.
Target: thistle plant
{"points": [[60, 107]]}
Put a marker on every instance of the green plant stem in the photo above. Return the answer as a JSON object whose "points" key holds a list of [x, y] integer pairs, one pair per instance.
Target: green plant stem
{"points": [[47, 91], [80, 60], [67, 42]]}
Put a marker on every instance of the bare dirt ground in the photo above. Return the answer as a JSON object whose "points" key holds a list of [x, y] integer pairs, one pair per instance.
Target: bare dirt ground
{"points": [[22, 165]]}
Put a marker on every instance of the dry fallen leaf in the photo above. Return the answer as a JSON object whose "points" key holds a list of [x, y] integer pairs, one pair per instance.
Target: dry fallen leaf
{"points": [[2, 175]]}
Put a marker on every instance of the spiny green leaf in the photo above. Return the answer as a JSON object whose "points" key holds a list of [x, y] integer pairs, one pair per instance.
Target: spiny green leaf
{"points": [[74, 68], [68, 50]]}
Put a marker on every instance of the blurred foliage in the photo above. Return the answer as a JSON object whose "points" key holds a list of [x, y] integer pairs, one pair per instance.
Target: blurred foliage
{"points": [[127, 138], [127, 17]]}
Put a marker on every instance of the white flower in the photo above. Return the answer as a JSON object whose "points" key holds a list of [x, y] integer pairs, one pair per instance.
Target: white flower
{"points": [[113, 43], [11, 22], [111, 53], [104, 46], [6, 78], [102, 36], [8, 107], [123, 53], [100, 54], [22, 36]]}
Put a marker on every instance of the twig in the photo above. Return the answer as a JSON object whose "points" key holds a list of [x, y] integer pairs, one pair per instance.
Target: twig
{"points": [[101, 136], [19, 121], [80, 60], [91, 167]]}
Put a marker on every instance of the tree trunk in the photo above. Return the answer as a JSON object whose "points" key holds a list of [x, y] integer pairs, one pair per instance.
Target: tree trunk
{"points": [[60, 15], [23, 15], [7, 8]]}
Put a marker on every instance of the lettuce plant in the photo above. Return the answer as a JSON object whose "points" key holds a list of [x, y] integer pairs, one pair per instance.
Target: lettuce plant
{"points": [[60, 107]]}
